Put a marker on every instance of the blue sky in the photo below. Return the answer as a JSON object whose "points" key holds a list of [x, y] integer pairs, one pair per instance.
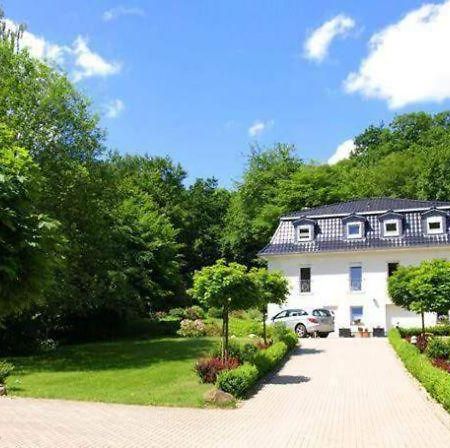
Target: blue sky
{"points": [[201, 80]]}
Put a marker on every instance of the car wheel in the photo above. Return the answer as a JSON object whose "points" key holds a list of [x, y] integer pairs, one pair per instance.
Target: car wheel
{"points": [[323, 335], [300, 329]]}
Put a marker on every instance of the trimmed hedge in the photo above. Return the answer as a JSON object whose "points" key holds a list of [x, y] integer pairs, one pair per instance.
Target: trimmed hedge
{"points": [[435, 380], [238, 381], [279, 332], [438, 330], [266, 360]]}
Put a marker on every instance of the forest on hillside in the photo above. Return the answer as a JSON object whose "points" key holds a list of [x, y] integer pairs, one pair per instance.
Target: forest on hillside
{"points": [[87, 234]]}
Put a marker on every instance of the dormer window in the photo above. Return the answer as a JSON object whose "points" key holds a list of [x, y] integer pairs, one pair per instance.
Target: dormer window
{"points": [[391, 227], [354, 226], [434, 222], [354, 230], [391, 224], [434, 225], [304, 229], [305, 233]]}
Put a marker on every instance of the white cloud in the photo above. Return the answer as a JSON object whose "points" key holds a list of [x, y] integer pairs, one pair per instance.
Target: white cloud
{"points": [[114, 13], [87, 63], [317, 44], [343, 151], [408, 61], [258, 127], [38, 46], [114, 108]]}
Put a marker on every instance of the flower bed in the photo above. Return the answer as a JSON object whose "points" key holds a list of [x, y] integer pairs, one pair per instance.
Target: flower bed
{"points": [[435, 379], [247, 363]]}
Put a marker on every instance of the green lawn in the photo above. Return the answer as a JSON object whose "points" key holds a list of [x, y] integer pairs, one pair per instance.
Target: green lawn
{"points": [[156, 372]]}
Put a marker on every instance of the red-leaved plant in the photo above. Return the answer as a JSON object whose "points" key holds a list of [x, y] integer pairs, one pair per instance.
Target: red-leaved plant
{"points": [[442, 364], [208, 368]]}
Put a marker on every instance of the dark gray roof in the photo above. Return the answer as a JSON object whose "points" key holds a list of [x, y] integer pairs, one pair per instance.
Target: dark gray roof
{"points": [[367, 206], [330, 235]]}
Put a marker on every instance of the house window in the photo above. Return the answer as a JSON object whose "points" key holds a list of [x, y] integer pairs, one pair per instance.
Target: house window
{"points": [[356, 315], [354, 230], [355, 278], [304, 233], [305, 280], [434, 225], [391, 228], [391, 268]]}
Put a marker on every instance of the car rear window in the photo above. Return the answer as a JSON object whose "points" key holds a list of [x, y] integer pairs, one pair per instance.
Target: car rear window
{"points": [[321, 313]]}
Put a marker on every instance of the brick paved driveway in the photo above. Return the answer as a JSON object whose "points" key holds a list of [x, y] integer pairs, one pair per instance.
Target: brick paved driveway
{"points": [[331, 393]]}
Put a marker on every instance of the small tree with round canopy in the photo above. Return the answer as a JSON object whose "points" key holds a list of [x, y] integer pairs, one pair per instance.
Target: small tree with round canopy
{"points": [[272, 287], [423, 288], [225, 286]]}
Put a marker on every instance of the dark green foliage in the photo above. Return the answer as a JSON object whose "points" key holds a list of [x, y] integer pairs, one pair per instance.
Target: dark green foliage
{"points": [[6, 369], [28, 239], [280, 333], [177, 313], [266, 360], [238, 381], [194, 312], [438, 330], [214, 312], [435, 380], [244, 352], [438, 348]]}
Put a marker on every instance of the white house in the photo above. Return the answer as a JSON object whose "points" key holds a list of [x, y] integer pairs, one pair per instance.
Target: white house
{"points": [[340, 256]]}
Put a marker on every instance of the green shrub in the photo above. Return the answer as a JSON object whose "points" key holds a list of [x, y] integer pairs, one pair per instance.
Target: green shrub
{"points": [[194, 312], [177, 313], [266, 360], [238, 381], [438, 330], [280, 333], [242, 351], [6, 369], [248, 352], [215, 313], [438, 348], [435, 380], [212, 328], [192, 328], [253, 314], [244, 327]]}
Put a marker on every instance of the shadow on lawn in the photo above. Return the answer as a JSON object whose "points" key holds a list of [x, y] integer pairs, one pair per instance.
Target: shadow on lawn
{"points": [[115, 355]]}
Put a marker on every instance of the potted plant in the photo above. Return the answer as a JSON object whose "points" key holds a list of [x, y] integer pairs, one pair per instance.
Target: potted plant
{"points": [[5, 370], [359, 333], [365, 333], [378, 332]]}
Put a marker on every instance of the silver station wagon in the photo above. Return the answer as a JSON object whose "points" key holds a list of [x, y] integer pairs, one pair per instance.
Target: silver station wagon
{"points": [[314, 322]]}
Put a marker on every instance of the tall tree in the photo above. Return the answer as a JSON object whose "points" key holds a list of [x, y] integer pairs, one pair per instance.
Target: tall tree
{"points": [[28, 239], [254, 208]]}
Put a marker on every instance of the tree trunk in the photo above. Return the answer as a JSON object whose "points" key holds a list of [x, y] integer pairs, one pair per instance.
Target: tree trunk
{"points": [[225, 333], [422, 314], [264, 328]]}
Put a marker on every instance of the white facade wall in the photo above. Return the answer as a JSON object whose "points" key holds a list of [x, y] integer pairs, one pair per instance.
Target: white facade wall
{"points": [[330, 284]]}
